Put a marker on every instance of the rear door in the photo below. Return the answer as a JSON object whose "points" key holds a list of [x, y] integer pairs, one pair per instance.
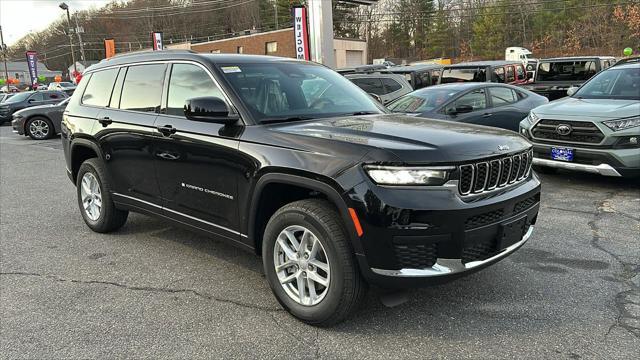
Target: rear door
{"points": [[126, 129], [52, 97], [504, 110]]}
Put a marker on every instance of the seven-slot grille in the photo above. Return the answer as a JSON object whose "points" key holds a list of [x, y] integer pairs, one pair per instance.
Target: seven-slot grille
{"points": [[488, 175], [584, 132]]}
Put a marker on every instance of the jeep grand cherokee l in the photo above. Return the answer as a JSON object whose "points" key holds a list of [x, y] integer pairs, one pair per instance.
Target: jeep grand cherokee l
{"points": [[596, 129], [333, 191]]}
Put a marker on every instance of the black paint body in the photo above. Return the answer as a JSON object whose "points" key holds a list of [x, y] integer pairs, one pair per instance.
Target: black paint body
{"points": [[226, 180]]}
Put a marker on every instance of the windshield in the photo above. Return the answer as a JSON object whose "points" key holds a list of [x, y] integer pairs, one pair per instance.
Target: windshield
{"points": [[463, 75], [291, 90], [422, 101], [614, 83], [579, 70], [18, 97]]}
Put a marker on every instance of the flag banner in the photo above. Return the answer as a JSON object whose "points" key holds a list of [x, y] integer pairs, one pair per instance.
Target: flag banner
{"points": [[301, 33], [109, 48], [32, 63], [156, 39]]}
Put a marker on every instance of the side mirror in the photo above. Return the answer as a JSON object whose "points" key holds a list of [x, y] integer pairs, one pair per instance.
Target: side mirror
{"points": [[376, 97], [572, 90], [209, 109], [460, 109], [31, 101]]}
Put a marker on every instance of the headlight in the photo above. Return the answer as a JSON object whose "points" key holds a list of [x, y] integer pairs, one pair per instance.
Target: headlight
{"points": [[532, 118], [17, 116], [621, 124], [392, 175]]}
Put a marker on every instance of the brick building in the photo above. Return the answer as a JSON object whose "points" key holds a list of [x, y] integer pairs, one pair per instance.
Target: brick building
{"points": [[348, 52]]}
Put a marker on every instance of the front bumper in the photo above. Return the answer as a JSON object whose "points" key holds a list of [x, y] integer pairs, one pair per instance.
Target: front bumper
{"points": [[607, 162], [18, 125], [437, 236]]}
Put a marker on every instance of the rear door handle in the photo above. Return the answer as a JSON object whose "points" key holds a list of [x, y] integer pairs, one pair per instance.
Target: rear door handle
{"points": [[105, 121], [167, 130]]}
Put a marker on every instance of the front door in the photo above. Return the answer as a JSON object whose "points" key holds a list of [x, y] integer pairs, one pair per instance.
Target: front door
{"points": [[476, 101], [197, 162]]}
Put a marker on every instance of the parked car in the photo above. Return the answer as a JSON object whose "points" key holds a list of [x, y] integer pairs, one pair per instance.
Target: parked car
{"points": [[387, 87], [419, 76], [555, 76], [27, 99], [334, 192], [596, 129], [9, 89], [39, 122], [67, 87], [504, 72], [497, 105], [4, 97]]}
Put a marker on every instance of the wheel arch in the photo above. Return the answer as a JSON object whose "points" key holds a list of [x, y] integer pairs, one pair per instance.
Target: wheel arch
{"points": [[260, 210], [81, 150]]}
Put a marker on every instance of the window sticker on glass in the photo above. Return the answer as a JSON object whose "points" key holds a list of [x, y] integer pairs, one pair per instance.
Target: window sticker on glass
{"points": [[230, 69]]}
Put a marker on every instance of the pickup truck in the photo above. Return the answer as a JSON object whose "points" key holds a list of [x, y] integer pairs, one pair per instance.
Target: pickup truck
{"points": [[556, 75]]}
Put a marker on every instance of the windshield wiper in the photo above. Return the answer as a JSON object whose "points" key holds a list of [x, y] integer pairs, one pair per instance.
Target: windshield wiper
{"points": [[361, 113], [284, 119]]}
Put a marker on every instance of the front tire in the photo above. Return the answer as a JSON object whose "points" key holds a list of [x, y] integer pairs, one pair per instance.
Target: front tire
{"points": [[94, 199], [309, 263], [40, 128]]}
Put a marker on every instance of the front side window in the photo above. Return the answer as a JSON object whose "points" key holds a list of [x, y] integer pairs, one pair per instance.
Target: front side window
{"points": [[502, 96], [476, 99], [499, 74], [142, 89], [99, 88], [188, 81], [285, 90]]}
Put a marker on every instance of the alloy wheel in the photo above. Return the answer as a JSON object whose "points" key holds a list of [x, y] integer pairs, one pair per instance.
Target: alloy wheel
{"points": [[39, 129], [91, 196], [302, 265]]}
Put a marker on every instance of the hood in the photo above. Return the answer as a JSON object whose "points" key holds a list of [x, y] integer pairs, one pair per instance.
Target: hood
{"points": [[589, 108], [411, 139]]}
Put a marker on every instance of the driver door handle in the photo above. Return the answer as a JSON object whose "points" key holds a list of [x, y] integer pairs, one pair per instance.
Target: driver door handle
{"points": [[486, 115], [167, 130]]}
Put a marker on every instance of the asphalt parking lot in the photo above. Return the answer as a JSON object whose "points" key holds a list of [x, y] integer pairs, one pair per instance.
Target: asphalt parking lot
{"points": [[154, 291]]}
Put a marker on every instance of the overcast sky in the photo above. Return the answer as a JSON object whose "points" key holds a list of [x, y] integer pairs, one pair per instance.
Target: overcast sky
{"points": [[19, 17]]}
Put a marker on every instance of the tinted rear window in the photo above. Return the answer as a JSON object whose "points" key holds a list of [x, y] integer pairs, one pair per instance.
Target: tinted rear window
{"points": [[566, 70], [99, 88], [142, 89]]}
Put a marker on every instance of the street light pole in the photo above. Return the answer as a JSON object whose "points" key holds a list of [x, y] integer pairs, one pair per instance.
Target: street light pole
{"points": [[3, 47], [64, 6]]}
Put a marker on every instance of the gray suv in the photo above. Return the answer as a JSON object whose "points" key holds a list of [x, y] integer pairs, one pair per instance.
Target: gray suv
{"points": [[596, 129], [385, 87]]}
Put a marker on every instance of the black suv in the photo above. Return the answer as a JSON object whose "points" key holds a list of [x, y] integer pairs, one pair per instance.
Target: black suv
{"points": [[334, 192]]}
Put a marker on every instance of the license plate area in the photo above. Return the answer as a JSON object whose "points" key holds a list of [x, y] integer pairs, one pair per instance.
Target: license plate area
{"points": [[562, 154], [511, 232]]}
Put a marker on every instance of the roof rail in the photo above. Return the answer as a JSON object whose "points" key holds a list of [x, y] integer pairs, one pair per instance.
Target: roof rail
{"points": [[148, 51]]}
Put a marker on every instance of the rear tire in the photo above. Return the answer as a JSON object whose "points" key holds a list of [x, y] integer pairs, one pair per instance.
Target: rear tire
{"points": [[318, 222], [94, 198], [39, 128]]}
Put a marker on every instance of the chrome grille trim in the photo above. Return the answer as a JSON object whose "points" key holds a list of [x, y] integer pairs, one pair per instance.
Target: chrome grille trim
{"points": [[478, 176]]}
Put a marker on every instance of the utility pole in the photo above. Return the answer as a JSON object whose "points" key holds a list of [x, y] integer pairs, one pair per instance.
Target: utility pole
{"points": [[64, 6], [275, 4], [79, 32], [3, 47]]}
